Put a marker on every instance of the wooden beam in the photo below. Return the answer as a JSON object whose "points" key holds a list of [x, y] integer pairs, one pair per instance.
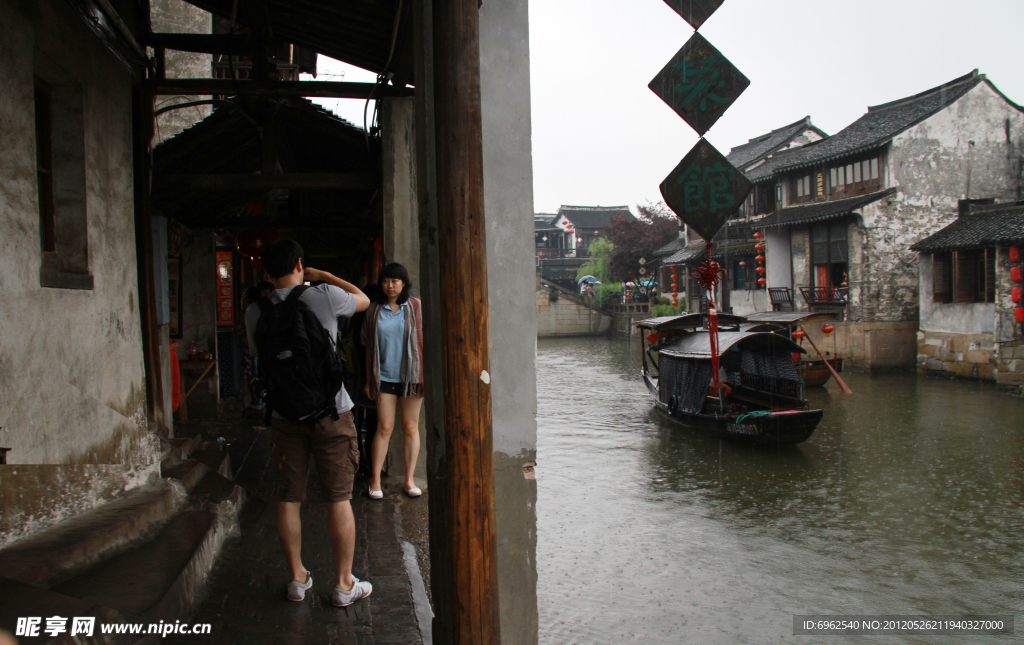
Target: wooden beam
{"points": [[228, 87], [229, 44], [469, 481], [297, 181], [324, 223]]}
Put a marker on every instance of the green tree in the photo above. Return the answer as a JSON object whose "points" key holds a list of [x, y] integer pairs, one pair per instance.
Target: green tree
{"points": [[600, 257]]}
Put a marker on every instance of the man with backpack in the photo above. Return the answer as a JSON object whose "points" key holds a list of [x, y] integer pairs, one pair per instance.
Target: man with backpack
{"points": [[293, 331]]}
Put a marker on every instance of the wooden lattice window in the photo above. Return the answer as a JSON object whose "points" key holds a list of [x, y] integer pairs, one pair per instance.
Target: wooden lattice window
{"points": [[44, 171]]}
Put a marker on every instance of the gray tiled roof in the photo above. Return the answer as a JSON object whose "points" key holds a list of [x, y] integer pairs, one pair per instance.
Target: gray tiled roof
{"points": [[593, 216], [672, 247], [986, 227], [693, 251], [763, 145], [818, 211], [883, 122]]}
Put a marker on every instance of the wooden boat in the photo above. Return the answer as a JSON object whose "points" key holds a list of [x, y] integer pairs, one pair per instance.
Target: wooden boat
{"points": [[761, 401], [814, 372]]}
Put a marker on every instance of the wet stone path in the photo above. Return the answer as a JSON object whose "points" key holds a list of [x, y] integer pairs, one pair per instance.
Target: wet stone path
{"points": [[245, 596]]}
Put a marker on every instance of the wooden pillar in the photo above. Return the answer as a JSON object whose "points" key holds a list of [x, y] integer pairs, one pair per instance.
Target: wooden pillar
{"points": [[469, 482], [143, 136]]}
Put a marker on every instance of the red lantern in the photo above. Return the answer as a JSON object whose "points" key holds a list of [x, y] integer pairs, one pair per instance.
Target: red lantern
{"points": [[1015, 294], [743, 263], [759, 247], [762, 281], [757, 235], [760, 258], [675, 295], [1015, 254], [1015, 274], [674, 286], [652, 338], [673, 276], [250, 243], [675, 304], [796, 357], [1018, 313], [759, 269], [799, 335], [827, 329]]}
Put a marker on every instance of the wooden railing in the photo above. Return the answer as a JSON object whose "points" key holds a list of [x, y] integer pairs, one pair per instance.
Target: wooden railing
{"points": [[835, 296]]}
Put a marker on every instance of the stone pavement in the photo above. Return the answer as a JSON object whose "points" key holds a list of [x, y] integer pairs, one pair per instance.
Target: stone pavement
{"points": [[244, 600]]}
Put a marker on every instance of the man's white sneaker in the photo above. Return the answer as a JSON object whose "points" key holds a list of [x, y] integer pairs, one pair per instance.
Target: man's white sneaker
{"points": [[359, 590], [297, 590]]}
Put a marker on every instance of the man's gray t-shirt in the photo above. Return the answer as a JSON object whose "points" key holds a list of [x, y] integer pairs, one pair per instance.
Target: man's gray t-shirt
{"points": [[328, 303]]}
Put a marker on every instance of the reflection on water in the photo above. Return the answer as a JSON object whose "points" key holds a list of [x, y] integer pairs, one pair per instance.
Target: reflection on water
{"points": [[908, 499]]}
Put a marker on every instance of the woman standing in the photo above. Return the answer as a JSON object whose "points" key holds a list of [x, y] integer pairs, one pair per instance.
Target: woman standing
{"points": [[393, 336]]}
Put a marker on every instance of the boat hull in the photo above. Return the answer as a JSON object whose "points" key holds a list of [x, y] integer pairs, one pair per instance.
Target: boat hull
{"points": [[777, 428], [816, 373]]}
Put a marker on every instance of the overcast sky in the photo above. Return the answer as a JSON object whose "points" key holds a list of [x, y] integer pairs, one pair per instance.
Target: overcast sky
{"points": [[600, 137]]}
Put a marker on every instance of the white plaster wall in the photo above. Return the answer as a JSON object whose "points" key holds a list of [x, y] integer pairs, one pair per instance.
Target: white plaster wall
{"points": [[749, 301], [952, 317], [508, 203], [929, 164], [778, 254], [71, 362]]}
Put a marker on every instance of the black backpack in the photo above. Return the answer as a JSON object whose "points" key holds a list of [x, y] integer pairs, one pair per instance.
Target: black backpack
{"points": [[299, 369]]}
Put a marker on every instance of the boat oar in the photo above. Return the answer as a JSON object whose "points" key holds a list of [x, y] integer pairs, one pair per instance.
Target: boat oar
{"points": [[840, 381]]}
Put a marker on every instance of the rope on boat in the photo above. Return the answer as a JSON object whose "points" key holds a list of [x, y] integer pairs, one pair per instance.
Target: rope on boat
{"points": [[759, 413]]}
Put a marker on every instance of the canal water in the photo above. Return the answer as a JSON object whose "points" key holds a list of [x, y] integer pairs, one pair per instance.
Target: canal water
{"points": [[908, 499]]}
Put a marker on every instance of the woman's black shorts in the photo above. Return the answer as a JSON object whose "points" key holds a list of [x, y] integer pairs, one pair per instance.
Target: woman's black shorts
{"points": [[387, 387]]}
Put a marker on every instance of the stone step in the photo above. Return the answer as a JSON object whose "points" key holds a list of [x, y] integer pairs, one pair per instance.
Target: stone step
{"points": [[67, 548], [25, 601]]}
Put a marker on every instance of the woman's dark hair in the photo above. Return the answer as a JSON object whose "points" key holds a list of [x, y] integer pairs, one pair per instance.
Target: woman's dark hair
{"points": [[279, 257], [395, 271]]}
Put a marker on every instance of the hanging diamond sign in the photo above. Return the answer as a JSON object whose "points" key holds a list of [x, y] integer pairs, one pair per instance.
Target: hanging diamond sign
{"points": [[695, 12], [705, 189], [699, 83]]}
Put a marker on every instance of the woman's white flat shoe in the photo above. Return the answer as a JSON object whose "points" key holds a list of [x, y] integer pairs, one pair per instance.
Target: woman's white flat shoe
{"points": [[376, 494], [413, 492]]}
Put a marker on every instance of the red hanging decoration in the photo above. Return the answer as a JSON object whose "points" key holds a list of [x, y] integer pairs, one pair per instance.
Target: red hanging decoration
{"points": [[675, 286], [652, 338], [708, 275], [827, 329], [743, 263], [675, 303], [1015, 254], [759, 269], [799, 335], [1015, 294], [759, 247], [1018, 313], [757, 235], [1015, 274], [760, 258], [762, 281], [250, 243], [673, 276]]}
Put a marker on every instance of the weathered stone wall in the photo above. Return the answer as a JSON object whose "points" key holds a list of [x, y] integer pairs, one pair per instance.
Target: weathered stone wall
{"points": [[178, 16], [564, 317], [71, 360], [876, 347]]}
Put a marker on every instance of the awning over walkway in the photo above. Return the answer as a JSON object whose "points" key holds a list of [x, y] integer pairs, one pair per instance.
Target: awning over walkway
{"points": [[994, 225], [820, 211], [267, 162]]}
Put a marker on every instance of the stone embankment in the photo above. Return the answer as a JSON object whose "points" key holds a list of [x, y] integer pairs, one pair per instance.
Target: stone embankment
{"points": [[561, 312], [967, 356]]}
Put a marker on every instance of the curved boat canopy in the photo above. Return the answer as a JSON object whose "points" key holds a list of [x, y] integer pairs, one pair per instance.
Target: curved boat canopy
{"points": [[790, 318], [686, 321], [698, 345]]}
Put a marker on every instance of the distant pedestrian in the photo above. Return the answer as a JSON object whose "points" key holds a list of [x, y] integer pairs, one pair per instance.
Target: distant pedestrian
{"points": [[293, 331], [393, 336]]}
